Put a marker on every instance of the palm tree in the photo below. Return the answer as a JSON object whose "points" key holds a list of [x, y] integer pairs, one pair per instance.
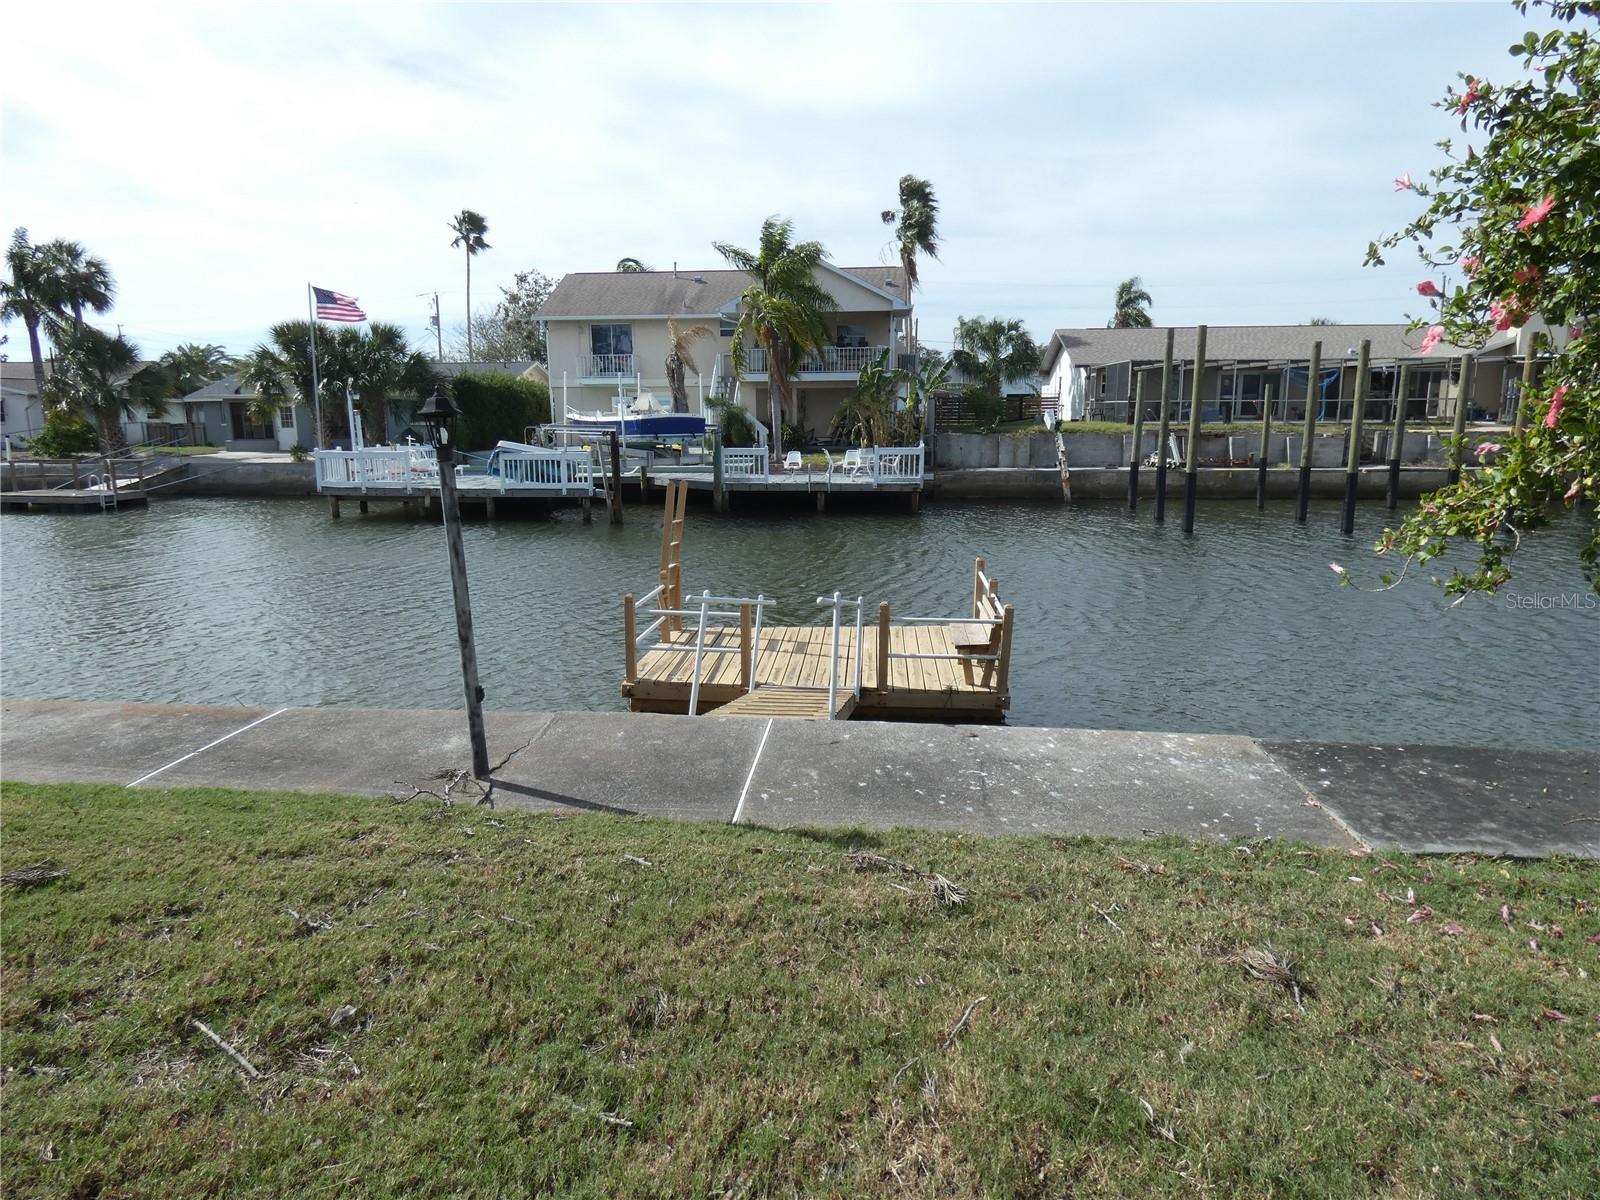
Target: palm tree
{"points": [[916, 224], [469, 229], [80, 280], [679, 342], [191, 365], [867, 414], [280, 372], [92, 377], [1130, 305], [993, 352], [382, 371], [631, 266], [782, 309], [26, 296]]}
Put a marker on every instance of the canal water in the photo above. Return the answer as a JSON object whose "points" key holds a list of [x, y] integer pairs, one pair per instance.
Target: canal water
{"points": [[1120, 623]]}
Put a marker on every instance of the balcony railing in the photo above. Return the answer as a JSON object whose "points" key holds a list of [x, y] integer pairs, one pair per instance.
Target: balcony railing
{"points": [[829, 360], [604, 366]]}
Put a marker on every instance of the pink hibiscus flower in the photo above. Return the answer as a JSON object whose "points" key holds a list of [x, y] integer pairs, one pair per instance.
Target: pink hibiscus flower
{"points": [[1471, 263], [1508, 314], [1404, 184], [1432, 338], [1484, 449], [1469, 96], [1427, 288], [1528, 275], [1537, 213], [1557, 399]]}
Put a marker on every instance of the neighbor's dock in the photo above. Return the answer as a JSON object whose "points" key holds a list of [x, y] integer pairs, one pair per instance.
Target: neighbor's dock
{"points": [[71, 485], [703, 653], [410, 474], [874, 470]]}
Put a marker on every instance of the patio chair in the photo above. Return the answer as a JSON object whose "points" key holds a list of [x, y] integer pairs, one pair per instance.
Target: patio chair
{"points": [[853, 463], [793, 461]]}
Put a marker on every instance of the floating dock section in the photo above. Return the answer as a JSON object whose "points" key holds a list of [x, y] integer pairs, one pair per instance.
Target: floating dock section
{"points": [[705, 653]]}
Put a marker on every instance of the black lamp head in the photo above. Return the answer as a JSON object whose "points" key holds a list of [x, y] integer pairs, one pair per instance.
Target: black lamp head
{"points": [[438, 415]]}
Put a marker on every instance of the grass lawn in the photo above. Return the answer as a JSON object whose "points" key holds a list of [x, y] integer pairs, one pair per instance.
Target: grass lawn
{"points": [[454, 1001]]}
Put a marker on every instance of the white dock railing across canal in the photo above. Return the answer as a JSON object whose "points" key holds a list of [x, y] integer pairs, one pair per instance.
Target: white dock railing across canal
{"points": [[394, 467], [554, 471]]}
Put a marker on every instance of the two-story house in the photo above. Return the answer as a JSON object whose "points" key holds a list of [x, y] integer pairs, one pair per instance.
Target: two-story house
{"points": [[607, 332]]}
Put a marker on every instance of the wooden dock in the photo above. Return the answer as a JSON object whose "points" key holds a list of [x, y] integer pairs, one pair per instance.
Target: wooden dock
{"points": [[95, 485], [696, 654]]}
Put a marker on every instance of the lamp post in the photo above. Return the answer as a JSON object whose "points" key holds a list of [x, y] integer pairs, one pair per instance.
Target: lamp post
{"points": [[438, 416]]}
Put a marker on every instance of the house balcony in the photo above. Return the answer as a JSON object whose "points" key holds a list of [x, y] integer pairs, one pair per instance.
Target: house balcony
{"points": [[605, 368], [828, 362]]}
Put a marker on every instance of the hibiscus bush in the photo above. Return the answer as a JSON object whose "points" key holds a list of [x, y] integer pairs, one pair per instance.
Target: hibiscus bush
{"points": [[1517, 213]]}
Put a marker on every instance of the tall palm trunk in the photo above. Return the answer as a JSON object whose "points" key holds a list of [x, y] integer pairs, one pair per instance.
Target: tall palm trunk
{"points": [[469, 305], [676, 384], [778, 387], [109, 432], [38, 356]]}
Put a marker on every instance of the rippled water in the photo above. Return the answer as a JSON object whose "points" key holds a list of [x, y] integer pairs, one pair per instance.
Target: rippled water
{"points": [[1121, 623]]}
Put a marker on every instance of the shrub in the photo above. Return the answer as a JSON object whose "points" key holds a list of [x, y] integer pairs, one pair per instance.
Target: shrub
{"points": [[63, 434], [299, 453], [986, 407], [734, 423], [495, 406]]}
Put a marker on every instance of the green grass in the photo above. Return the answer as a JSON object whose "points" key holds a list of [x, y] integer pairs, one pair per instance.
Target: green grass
{"points": [[769, 1018]]}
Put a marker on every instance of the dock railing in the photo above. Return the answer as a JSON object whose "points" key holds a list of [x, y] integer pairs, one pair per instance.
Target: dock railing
{"points": [[839, 604], [395, 467], [747, 609], [986, 638], [745, 463], [568, 468]]}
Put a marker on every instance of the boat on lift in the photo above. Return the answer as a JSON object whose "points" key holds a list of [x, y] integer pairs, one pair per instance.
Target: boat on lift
{"points": [[642, 419]]}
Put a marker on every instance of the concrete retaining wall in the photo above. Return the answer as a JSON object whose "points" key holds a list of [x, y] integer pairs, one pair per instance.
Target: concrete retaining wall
{"points": [[1212, 483], [248, 478]]}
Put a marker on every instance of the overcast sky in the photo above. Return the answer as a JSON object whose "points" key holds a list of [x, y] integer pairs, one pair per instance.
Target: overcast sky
{"points": [[1238, 157]]}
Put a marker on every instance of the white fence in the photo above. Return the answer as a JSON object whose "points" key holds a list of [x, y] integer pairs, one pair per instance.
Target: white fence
{"points": [[604, 366], [563, 469], [895, 464], [745, 463], [399, 467]]}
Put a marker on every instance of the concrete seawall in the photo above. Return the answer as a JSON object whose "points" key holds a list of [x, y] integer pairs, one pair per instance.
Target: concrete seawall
{"points": [[1212, 483], [975, 779]]}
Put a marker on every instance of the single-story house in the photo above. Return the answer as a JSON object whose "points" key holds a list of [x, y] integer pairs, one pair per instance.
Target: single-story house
{"points": [[1091, 373]]}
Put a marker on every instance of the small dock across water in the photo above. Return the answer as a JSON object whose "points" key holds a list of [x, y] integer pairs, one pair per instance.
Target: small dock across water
{"points": [[702, 653], [81, 486]]}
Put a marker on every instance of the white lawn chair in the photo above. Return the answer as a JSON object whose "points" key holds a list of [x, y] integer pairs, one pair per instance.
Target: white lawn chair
{"points": [[853, 463], [793, 461]]}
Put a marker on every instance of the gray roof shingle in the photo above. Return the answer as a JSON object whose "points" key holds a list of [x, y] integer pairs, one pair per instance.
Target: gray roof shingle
{"points": [[1238, 343], [226, 388], [669, 294]]}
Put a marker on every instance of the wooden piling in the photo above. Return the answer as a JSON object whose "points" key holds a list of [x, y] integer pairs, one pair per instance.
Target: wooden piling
{"points": [[1529, 366], [1308, 433], [1191, 479], [883, 645], [719, 495], [630, 650], [1165, 431], [1138, 439], [615, 506], [333, 507], [1397, 436], [745, 681], [1352, 465], [1266, 442], [1469, 370], [362, 505]]}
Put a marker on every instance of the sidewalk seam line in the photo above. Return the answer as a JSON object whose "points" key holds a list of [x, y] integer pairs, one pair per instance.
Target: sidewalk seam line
{"points": [[745, 791], [207, 746]]}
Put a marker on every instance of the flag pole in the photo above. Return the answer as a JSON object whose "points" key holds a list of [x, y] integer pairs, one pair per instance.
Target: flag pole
{"points": [[316, 408]]}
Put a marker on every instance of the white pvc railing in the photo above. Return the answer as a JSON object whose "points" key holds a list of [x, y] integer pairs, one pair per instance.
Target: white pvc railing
{"points": [[838, 604], [564, 468], [604, 366], [896, 464], [401, 466], [827, 360], [745, 463], [701, 611]]}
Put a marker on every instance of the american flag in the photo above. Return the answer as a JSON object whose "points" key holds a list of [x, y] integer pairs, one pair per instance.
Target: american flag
{"points": [[336, 306]]}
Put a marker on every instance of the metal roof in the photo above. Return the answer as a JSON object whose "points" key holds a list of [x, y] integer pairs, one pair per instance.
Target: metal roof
{"points": [[677, 293], [1238, 343]]}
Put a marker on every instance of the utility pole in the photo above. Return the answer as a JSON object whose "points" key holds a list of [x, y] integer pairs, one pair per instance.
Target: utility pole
{"points": [[438, 329]]}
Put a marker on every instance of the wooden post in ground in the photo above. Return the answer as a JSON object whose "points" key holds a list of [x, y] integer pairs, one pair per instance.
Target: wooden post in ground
{"points": [[883, 645], [1529, 365], [1397, 436], [1191, 467], [1165, 433], [630, 651], [1308, 432], [1138, 440], [745, 682], [1266, 443], [1352, 463], [1469, 370], [450, 503], [616, 478]]}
